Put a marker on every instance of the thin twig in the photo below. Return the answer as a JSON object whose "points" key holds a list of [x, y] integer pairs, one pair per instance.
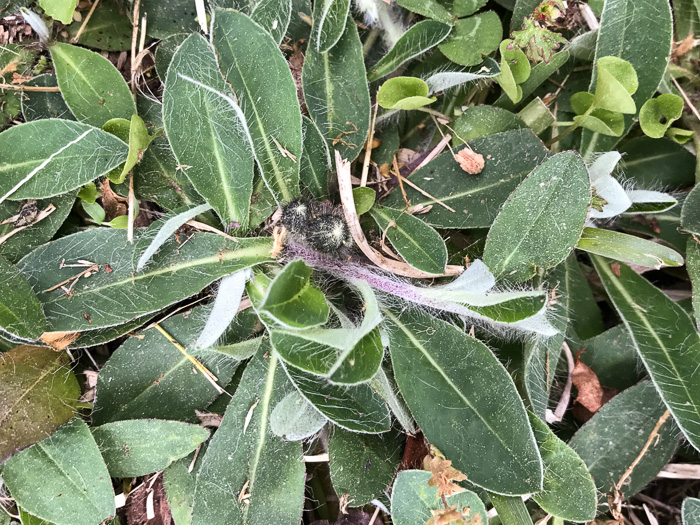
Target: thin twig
{"points": [[368, 150], [396, 267], [425, 193], [22, 87], [134, 40], [205, 227], [434, 153], [651, 438], [85, 22], [685, 97], [130, 217], [558, 413], [199, 366], [374, 516]]}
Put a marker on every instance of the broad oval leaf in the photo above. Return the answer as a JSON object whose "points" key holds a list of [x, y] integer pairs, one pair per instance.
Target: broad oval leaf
{"points": [[114, 296], [363, 465], [460, 393], [94, 90], [330, 17], [404, 93], [245, 454], [163, 386], [476, 200], [428, 8], [569, 492], [66, 465], [412, 500], [255, 68], [337, 95], [20, 311], [208, 131], [69, 155], [138, 447], [294, 418], [665, 338], [37, 105], [419, 244], [657, 114], [628, 248], [417, 40], [472, 38], [541, 221], [39, 393], [357, 408], [612, 439]]}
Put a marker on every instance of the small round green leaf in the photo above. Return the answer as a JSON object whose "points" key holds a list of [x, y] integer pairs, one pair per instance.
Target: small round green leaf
{"points": [[473, 37], [404, 93], [364, 199], [657, 114]]}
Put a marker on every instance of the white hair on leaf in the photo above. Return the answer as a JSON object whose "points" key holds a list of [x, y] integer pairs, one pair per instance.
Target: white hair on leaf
{"points": [[225, 308]]}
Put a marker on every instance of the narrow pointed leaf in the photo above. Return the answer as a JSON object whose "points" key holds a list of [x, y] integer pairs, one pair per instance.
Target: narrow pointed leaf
{"points": [[330, 17], [69, 155], [356, 408], [20, 311], [315, 160], [417, 40], [225, 308], [208, 132], [93, 88], [253, 65], [109, 298], [246, 457], [66, 465], [419, 244], [337, 95], [138, 447], [480, 404], [665, 338], [160, 231], [569, 492], [39, 393], [628, 248], [541, 221]]}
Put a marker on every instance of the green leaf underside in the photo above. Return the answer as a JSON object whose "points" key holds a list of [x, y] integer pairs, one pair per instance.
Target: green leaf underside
{"points": [[541, 221], [69, 155], [39, 392], [665, 338], [412, 499], [208, 132], [356, 408], [66, 465], [92, 87], [476, 403], [513, 155], [245, 453], [142, 446], [115, 297], [258, 73], [337, 95]]}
